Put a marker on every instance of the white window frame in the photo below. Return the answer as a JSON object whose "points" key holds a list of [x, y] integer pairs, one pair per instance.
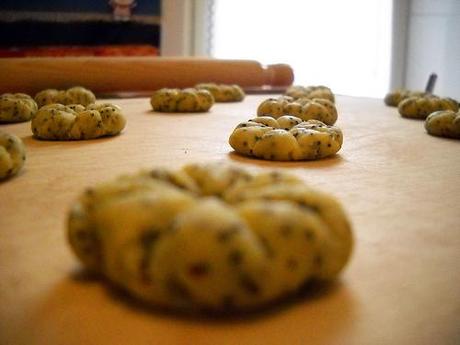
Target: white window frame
{"points": [[399, 39], [186, 26]]}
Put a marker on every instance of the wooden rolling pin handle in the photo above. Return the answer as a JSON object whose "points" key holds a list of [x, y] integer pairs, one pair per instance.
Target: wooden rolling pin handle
{"points": [[279, 75]]}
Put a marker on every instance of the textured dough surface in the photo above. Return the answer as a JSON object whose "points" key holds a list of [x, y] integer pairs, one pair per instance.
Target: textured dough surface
{"points": [[286, 138], [74, 95], [12, 155], [444, 123], [17, 107], [323, 92], [304, 108], [223, 92], [76, 122], [181, 100], [420, 107], [210, 236], [393, 98]]}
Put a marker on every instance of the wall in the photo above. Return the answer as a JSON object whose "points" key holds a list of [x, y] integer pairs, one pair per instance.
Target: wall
{"points": [[434, 45]]}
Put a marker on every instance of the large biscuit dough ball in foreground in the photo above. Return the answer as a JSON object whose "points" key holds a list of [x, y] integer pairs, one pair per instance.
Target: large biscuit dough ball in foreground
{"points": [[209, 236]]}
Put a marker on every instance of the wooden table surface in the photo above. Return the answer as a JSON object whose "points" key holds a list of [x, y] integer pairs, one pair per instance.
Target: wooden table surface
{"points": [[400, 187]]}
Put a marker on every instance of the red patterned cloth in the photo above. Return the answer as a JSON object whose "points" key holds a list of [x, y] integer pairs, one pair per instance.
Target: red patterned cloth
{"points": [[105, 50]]}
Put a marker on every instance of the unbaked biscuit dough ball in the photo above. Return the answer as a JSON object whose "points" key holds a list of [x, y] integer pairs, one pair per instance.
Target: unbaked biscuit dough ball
{"points": [[393, 98], [304, 108], [74, 95], [287, 138], [17, 107], [223, 92], [210, 236], [310, 92], [181, 100], [75, 122], [444, 123], [12, 155], [421, 107]]}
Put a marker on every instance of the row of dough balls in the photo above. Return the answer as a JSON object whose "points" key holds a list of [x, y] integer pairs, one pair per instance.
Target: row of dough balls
{"points": [[17, 107], [12, 155], [20, 107], [198, 99], [393, 98], [74, 95], [210, 237], [440, 114], [419, 107], [304, 108], [223, 92], [76, 122], [323, 92], [444, 123], [287, 138], [181, 100], [60, 122]]}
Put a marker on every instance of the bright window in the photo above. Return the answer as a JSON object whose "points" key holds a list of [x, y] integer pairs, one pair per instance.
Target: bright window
{"points": [[345, 45]]}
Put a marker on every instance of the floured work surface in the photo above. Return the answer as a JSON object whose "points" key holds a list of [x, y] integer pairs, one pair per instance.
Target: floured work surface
{"points": [[400, 187]]}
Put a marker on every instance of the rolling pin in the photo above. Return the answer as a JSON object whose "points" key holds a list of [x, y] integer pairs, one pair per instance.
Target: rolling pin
{"points": [[135, 74]]}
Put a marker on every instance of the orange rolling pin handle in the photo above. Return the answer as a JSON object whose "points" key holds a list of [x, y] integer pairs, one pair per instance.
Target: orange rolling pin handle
{"points": [[279, 75]]}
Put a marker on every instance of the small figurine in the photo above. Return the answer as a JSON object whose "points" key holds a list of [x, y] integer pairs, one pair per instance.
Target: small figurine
{"points": [[122, 9]]}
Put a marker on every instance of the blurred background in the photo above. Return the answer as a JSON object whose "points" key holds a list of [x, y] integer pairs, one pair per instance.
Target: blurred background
{"points": [[356, 47]]}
